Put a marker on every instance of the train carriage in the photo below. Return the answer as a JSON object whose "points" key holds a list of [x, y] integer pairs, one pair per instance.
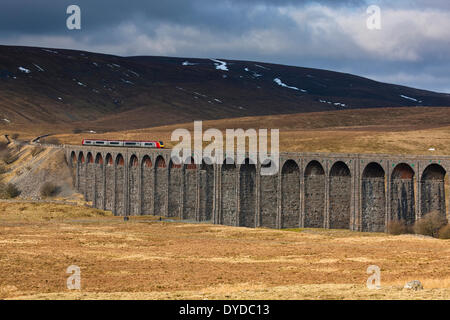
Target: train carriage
{"points": [[123, 143]]}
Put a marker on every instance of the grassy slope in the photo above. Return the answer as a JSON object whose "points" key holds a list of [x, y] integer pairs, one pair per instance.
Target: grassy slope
{"points": [[100, 92], [395, 130]]}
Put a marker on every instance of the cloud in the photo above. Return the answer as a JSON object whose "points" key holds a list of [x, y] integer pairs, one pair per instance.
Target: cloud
{"points": [[412, 47]]}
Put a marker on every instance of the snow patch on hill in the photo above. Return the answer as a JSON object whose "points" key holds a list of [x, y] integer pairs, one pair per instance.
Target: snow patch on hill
{"points": [[79, 83], [187, 63], [38, 67], [280, 83], [260, 66], [220, 65], [51, 51], [255, 74], [135, 73], [337, 104], [24, 70], [409, 98], [126, 81]]}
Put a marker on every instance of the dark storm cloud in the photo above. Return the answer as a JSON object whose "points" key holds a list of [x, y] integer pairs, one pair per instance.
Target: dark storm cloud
{"points": [[48, 15], [413, 47]]}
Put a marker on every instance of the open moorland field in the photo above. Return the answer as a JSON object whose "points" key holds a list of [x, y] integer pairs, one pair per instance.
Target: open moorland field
{"points": [[411, 130], [148, 259], [389, 130]]}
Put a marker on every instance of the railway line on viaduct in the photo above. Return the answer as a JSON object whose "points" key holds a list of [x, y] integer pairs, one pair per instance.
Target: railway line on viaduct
{"points": [[360, 192]]}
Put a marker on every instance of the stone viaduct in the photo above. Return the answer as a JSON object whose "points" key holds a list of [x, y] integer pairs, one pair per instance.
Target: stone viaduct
{"points": [[360, 192]]}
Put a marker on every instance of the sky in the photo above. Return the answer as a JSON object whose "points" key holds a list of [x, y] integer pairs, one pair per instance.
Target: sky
{"points": [[412, 47]]}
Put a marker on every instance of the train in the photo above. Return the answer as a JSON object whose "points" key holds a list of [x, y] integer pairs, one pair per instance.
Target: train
{"points": [[123, 143]]}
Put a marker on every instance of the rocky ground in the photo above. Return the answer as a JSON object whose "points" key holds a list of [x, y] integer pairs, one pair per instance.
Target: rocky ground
{"points": [[35, 165]]}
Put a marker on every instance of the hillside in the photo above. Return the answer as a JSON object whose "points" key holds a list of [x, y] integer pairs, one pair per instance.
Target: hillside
{"points": [[66, 88], [30, 167], [380, 130]]}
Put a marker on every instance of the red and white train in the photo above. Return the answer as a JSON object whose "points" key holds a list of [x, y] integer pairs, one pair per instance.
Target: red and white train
{"points": [[123, 143]]}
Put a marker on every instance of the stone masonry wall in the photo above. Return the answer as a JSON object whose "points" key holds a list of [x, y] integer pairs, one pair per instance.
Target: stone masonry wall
{"points": [[402, 202], [81, 177], [433, 196], [340, 197], [229, 209], [314, 196], [147, 189], [269, 205], [90, 179], [133, 183], [120, 188], [290, 195], [190, 193], [373, 201], [433, 190], [206, 196], [247, 195], [161, 189], [175, 197], [99, 193], [110, 186]]}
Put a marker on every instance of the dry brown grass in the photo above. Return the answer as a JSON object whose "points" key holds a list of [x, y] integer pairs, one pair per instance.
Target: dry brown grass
{"points": [[444, 233], [28, 211], [430, 224], [394, 130], [148, 259], [397, 227], [381, 130]]}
